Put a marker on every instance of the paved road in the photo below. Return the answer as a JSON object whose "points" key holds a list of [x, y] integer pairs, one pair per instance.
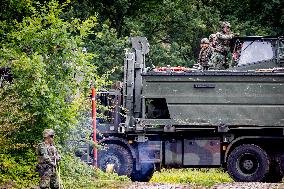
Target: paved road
{"points": [[235, 185]]}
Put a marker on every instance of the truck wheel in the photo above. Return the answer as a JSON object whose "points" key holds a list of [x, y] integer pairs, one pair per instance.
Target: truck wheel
{"points": [[117, 156], [145, 174], [248, 163]]}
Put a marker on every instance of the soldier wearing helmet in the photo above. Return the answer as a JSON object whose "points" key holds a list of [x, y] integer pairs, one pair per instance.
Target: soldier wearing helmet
{"points": [[47, 157], [218, 59], [212, 40], [204, 54]]}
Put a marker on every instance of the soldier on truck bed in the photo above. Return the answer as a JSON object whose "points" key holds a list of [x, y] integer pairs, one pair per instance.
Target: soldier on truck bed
{"points": [[218, 59], [205, 54], [212, 41]]}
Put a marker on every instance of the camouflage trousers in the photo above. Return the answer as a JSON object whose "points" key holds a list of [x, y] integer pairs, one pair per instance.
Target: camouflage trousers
{"points": [[218, 61], [48, 178]]}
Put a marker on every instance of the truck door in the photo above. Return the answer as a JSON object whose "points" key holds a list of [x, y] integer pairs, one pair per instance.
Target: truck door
{"points": [[109, 111]]}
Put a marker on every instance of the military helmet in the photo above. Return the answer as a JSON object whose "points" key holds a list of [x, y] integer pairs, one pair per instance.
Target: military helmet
{"points": [[48, 132], [225, 24], [204, 40], [212, 36]]}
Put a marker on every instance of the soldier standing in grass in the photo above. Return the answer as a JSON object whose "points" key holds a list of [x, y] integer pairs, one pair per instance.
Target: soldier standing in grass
{"points": [[205, 54], [48, 157], [218, 59]]}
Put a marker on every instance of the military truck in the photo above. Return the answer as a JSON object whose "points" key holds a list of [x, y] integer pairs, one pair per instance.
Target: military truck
{"points": [[176, 117]]}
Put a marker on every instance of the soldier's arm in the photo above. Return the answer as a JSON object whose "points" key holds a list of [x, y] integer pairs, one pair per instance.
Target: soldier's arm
{"points": [[224, 36], [210, 52], [200, 57], [57, 155], [43, 153]]}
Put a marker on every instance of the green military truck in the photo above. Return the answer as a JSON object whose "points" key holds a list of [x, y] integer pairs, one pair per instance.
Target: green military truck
{"points": [[178, 117]]}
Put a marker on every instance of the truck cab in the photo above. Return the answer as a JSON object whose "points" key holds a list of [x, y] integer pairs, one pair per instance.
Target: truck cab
{"points": [[257, 52]]}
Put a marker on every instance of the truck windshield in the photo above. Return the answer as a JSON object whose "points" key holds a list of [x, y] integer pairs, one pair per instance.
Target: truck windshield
{"points": [[281, 49], [106, 105], [255, 51]]}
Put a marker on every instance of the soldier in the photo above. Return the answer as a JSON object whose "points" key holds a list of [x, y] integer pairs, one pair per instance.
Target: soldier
{"points": [[205, 54], [48, 157], [218, 59], [212, 41]]}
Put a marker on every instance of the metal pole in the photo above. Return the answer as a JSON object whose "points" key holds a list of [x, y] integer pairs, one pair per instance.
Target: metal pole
{"points": [[94, 116]]}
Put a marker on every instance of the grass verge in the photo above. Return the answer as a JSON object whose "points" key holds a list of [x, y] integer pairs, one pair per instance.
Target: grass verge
{"points": [[205, 177]]}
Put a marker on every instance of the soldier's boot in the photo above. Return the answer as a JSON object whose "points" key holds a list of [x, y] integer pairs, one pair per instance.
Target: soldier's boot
{"points": [[54, 182], [44, 182]]}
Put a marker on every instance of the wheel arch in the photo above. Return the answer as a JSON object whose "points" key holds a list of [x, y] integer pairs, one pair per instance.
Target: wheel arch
{"points": [[121, 142], [257, 140]]}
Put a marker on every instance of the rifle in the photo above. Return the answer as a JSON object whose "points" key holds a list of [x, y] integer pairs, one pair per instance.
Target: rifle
{"points": [[57, 169]]}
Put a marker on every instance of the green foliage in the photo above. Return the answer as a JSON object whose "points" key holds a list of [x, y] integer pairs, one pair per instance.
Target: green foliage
{"points": [[76, 174], [110, 50], [205, 177], [51, 74], [18, 170], [50, 85], [173, 28]]}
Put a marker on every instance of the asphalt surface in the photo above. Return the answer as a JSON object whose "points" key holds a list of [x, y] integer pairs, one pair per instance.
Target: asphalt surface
{"points": [[234, 185]]}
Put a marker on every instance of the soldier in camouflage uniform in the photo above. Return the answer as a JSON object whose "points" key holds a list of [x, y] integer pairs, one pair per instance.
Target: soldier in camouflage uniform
{"points": [[205, 54], [48, 157], [212, 40], [218, 59]]}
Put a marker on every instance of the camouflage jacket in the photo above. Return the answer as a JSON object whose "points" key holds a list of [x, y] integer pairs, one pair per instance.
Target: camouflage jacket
{"points": [[47, 154], [204, 56], [223, 42]]}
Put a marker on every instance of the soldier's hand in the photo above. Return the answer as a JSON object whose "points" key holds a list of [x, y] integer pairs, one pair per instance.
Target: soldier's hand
{"points": [[58, 158], [236, 34]]}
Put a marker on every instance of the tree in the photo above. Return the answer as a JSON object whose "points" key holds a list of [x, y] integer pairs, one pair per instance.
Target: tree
{"points": [[51, 76], [174, 29]]}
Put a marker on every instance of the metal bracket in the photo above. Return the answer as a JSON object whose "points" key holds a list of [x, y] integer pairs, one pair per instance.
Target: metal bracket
{"points": [[141, 138], [121, 128], [228, 138], [130, 56], [223, 128], [169, 128]]}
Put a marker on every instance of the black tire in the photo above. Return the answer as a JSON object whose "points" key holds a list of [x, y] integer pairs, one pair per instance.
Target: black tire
{"points": [[248, 163], [143, 175], [117, 155]]}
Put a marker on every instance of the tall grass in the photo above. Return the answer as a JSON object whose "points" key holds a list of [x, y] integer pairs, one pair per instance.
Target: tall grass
{"points": [[205, 177]]}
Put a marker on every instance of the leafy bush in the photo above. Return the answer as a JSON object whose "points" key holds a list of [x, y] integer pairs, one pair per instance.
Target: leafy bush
{"points": [[17, 170], [76, 174]]}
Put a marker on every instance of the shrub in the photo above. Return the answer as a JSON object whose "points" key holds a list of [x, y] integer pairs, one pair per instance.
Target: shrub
{"points": [[17, 170]]}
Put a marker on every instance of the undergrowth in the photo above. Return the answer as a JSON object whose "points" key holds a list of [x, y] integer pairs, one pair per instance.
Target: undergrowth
{"points": [[18, 172], [75, 174], [205, 177]]}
